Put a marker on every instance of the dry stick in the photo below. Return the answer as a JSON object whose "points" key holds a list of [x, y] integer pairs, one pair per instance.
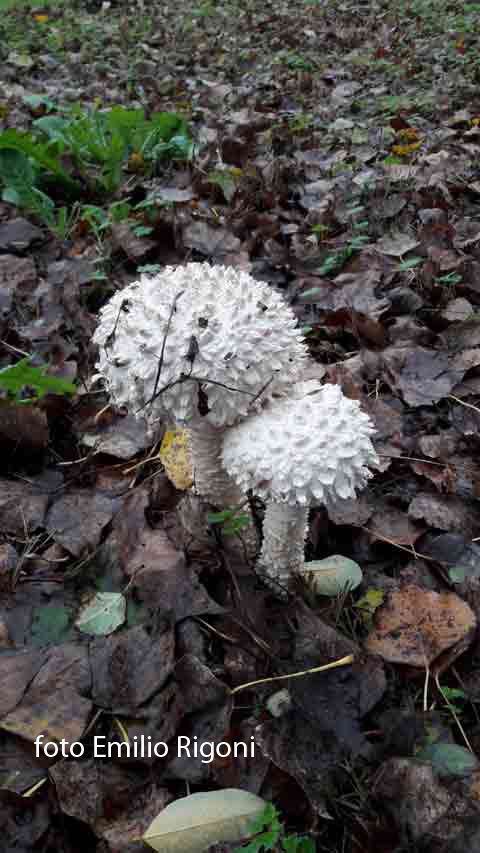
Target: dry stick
{"points": [[454, 714], [467, 405], [342, 662]]}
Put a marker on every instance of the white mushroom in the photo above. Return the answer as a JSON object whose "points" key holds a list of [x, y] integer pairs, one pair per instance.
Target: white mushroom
{"points": [[204, 346], [309, 449]]}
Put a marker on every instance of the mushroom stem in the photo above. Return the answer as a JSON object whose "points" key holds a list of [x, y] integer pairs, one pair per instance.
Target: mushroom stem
{"points": [[284, 532], [211, 480]]}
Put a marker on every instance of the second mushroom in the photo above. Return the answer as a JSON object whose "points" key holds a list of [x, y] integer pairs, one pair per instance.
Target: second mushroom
{"points": [[312, 448]]}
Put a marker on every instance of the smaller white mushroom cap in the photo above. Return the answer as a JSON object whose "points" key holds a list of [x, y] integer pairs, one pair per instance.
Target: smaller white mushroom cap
{"points": [[311, 448], [241, 333]]}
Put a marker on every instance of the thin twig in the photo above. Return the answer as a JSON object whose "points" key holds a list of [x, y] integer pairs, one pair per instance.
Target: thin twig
{"points": [[410, 550], [267, 383], [164, 343]]}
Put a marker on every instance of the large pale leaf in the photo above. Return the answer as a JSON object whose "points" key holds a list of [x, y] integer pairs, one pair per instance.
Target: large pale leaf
{"points": [[396, 245], [193, 823], [449, 759], [333, 575], [103, 614]]}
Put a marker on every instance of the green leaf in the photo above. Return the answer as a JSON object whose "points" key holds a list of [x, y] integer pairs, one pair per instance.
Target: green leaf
{"points": [[15, 168], [262, 842], [22, 375], [38, 152], [193, 823], [368, 603], [219, 517], [449, 759], [36, 101], [53, 126], [11, 196], [103, 614], [298, 844]]}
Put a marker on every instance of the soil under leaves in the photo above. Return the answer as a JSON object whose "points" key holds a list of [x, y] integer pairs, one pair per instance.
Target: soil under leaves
{"points": [[337, 159]]}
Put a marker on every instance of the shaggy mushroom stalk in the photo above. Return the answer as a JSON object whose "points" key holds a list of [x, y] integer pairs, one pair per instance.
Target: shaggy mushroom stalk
{"points": [[312, 448], [284, 532], [203, 346]]}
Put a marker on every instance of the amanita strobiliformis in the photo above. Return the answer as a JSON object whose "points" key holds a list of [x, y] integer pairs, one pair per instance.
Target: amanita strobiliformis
{"points": [[214, 350]]}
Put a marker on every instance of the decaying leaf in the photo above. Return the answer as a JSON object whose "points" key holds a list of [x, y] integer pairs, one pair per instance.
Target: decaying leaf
{"points": [[414, 625]]}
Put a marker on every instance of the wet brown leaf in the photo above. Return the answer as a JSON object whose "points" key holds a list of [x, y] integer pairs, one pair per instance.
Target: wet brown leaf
{"points": [[54, 704], [391, 524], [76, 519], [199, 686], [415, 798], [116, 804], [422, 376], [446, 513], [125, 240], [24, 427], [22, 506], [130, 667]]}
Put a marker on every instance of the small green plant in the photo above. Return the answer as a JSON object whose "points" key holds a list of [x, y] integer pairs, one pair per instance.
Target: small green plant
{"points": [[296, 60], [339, 257], [101, 142], [301, 122], [26, 383], [100, 145], [451, 278], [230, 520], [408, 264], [270, 835], [455, 699]]}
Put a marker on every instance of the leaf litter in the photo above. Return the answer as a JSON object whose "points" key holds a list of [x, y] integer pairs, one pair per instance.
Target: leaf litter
{"points": [[334, 160]]}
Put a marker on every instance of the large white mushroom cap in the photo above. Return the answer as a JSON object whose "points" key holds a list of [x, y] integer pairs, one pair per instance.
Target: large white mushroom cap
{"points": [[241, 332], [311, 448]]}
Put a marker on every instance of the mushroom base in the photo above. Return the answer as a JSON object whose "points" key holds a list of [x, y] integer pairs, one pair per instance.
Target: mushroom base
{"points": [[215, 486], [283, 550]]}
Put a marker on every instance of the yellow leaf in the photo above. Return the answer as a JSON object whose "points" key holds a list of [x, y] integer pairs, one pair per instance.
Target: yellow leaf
{"points": [[406, 150], [41, 19], [407, 133], [175, 456], [368, 604]]}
